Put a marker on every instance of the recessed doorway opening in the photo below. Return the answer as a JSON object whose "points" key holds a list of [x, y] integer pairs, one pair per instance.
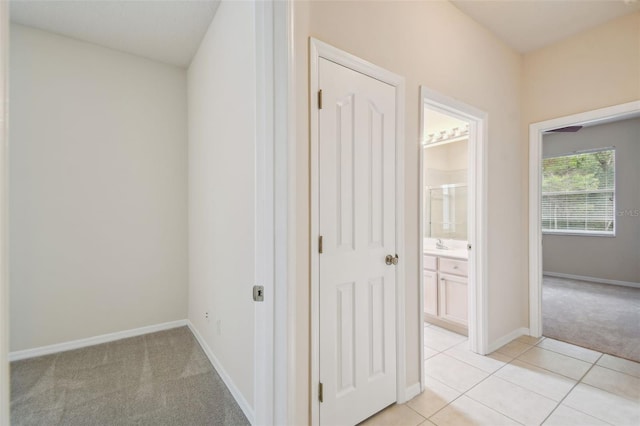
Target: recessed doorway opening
{"points": [[452, 219], [583, 281]]}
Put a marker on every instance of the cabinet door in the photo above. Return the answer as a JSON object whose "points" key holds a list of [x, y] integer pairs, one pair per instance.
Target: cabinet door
{"points": [[453, 298], [430, 292]]}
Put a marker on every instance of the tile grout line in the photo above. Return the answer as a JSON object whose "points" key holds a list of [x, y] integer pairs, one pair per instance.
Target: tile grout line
{"points": [[517, 357], [550, 371], [571, 390], [617, 371], [472, 387], [493, 374], [411, 408], [570, 356], [464, 393]]}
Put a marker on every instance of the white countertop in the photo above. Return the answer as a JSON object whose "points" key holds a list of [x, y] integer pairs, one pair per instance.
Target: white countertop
{"points": [[453, 253]]}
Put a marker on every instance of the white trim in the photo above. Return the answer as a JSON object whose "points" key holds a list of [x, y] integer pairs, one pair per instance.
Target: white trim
{"points": [[263, 344], [318, 49], [421, 230], [500, 342], [478, 256], [613, 113], [592, 279], [95, 340], [284, 160], [4, 212], [274, 382], [226, 378], [274, 386], [413, 390]]}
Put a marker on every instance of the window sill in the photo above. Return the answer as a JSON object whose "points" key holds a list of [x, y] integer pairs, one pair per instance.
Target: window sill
{"points": [[580, 234]]}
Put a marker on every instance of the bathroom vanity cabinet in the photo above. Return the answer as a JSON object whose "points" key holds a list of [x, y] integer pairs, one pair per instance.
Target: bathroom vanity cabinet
{"points": [[446, 292]]}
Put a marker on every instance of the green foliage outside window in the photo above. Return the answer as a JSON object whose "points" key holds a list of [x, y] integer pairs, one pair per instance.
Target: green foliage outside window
{"points": [[578, 193]]}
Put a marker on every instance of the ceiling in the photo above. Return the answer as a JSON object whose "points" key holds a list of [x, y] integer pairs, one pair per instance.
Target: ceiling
{"points": [[527, 25], [168, 31]]}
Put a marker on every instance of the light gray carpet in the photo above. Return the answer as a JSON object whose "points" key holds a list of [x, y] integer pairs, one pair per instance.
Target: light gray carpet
{"points": [[160, 378], [602, 317]]}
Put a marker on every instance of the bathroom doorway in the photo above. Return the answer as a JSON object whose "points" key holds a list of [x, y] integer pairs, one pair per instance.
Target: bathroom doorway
{"points": [[452, 223], [445, 205]]}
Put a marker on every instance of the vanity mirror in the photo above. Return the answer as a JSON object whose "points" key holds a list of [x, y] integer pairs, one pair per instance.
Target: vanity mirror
{"points": [[446, 211], [444, 180]]}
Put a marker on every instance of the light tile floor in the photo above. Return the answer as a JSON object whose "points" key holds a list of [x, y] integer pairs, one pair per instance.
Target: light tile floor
{"points": [[528, 381]]}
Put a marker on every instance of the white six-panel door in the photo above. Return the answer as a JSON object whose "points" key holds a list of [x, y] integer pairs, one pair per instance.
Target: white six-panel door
{"points": [[357, 359]]}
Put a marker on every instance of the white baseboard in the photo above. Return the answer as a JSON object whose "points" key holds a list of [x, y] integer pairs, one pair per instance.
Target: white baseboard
{"points": [[412, 391], [592, 279], [237, 395], [95, 340], [497, 344]]}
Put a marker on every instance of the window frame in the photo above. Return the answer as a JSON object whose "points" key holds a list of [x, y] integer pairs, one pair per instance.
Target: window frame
{"points": [[578, 232]]}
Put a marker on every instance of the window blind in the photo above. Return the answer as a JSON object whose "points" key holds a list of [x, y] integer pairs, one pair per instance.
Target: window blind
{"points": [[578, 193]]}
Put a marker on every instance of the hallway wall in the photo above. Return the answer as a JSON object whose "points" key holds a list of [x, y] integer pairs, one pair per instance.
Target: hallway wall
{"points": [[222, 126], [98, 178], [432, 44]]}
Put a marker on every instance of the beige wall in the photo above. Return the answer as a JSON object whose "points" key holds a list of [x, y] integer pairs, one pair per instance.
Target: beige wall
{"points": [[98, 180], [611, 258], [432, 44], [222, 125], [448, 157], [594, 69]]}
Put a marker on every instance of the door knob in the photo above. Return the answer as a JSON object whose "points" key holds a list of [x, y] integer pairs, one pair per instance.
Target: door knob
{"points": [[391, 260]]}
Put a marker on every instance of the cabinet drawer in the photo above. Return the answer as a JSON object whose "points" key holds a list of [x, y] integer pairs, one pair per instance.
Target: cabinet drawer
{"points": [[453, 266], [430, 262]]}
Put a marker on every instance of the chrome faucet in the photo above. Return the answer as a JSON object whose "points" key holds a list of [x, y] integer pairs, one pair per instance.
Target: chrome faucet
{"points": [[440, 245]]}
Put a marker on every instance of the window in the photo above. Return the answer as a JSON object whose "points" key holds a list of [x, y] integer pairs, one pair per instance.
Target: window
{"points": [[578, 193]]}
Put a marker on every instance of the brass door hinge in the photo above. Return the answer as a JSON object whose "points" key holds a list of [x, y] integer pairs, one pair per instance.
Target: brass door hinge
{"points": [[320, 244], [320, 393], [320, 99]]}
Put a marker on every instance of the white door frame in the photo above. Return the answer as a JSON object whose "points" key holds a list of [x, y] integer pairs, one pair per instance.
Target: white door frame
{"points": [[284, 163], [4, 212], [264, 217], [477, 215], [319, 49], [274, 380], [536, 130]]}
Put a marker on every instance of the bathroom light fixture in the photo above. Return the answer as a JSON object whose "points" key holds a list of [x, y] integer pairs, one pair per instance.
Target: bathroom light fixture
{"points": [[447, 135]]}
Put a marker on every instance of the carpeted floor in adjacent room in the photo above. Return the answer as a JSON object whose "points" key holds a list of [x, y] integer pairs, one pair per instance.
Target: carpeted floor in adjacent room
{"points": [[161, 378], [602, 317]]}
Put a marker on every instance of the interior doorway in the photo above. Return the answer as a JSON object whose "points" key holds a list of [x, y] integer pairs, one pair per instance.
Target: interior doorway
{"points": [[586, 229], [452, 218]]}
